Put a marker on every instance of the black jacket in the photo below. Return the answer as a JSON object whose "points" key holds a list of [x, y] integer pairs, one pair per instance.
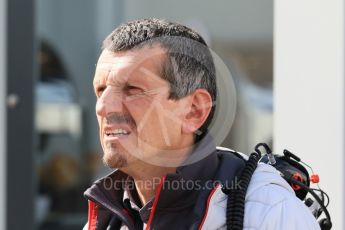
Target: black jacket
{"points": [[181, 207]]}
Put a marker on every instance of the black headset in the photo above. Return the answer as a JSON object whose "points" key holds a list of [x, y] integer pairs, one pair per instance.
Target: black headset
{"points": [[293, 171]]}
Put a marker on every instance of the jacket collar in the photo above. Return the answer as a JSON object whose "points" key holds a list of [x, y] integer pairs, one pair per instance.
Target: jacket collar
{"points": [[182, 188], [179, 190]]}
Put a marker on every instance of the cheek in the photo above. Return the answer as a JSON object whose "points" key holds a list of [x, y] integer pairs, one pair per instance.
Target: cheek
{"points": [[157, 123], [138, 109]]}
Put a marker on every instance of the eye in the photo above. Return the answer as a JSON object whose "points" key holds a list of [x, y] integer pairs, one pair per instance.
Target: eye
{"points": [[99, 90], [132, 90]]}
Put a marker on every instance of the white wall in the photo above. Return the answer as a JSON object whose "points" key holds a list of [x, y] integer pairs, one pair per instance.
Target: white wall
{"points": [[231, 20], [309, 90], [2, 113]]}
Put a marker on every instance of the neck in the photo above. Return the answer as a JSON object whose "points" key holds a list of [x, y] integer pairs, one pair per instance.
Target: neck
{"points": [[148, 179]]}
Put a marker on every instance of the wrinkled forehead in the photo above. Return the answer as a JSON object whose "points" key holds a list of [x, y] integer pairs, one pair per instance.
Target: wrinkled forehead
{"points": [[129, 64]]}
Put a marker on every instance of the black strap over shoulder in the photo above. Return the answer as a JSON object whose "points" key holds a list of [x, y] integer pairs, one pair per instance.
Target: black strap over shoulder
{"points": [[236, 195]]}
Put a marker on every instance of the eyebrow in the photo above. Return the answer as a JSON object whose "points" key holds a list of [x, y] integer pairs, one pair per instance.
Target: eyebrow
{"points": [[103, 81]]}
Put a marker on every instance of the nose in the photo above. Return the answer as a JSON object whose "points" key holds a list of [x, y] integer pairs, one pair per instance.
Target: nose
{"points": [[109, 102]]}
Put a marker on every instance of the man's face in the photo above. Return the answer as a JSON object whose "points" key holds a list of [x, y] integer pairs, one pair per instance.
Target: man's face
{"points": [[137, 120]]}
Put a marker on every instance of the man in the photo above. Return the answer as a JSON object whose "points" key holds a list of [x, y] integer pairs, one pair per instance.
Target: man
{"points": [[155, 84]]}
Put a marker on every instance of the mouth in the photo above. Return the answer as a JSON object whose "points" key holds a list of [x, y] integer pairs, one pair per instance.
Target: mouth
{"points": [[117, 132], [113, 133]]}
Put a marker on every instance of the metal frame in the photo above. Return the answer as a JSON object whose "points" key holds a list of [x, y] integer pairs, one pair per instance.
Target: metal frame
{"points": [[2, 114], [20, 187]]}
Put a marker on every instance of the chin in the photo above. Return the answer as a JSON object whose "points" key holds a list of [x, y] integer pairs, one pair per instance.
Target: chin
{"points": [[114, 160]]}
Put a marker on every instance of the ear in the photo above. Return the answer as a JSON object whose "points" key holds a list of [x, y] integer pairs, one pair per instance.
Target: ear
{"points": [[199, 108]]}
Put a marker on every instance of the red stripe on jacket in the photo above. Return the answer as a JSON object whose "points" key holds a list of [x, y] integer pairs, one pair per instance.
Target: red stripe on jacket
{"points": [[155, 204], [92, 215]]}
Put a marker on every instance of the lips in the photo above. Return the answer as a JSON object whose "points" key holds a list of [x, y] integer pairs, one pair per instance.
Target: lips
{"points": [[115, 132]]}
